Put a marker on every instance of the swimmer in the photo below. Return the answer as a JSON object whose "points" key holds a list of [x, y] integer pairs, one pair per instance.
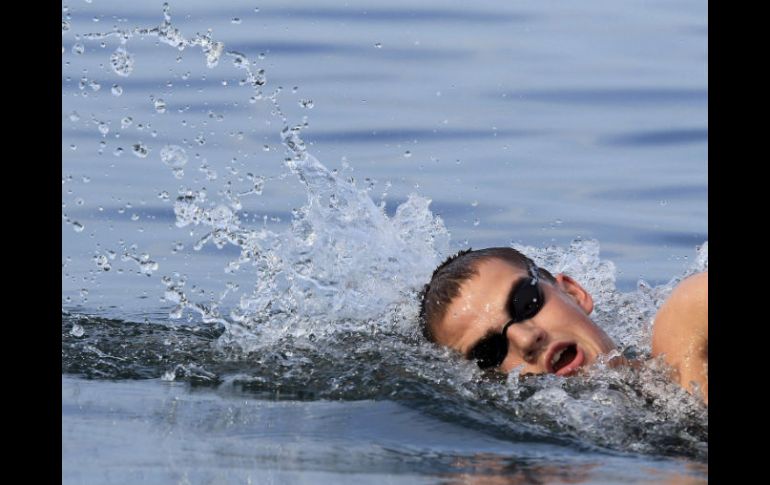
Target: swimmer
{"points": [[496, 307]]}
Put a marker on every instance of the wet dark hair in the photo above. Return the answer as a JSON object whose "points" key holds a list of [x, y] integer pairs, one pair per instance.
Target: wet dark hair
{"points": [[447, 278]]}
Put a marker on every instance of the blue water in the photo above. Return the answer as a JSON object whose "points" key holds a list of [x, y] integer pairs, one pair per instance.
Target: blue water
{"points": [[527, 123]]}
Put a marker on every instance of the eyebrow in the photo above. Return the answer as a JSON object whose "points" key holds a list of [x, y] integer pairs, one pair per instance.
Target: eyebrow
{"points": [[491, 333]]}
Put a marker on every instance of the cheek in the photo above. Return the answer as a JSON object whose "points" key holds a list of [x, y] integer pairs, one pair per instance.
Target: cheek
{"points": [[598, 337], [511, 362]]}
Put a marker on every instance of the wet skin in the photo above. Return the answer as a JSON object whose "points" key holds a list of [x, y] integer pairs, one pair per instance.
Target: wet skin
{"points": [[680, 334], [562, 323]]}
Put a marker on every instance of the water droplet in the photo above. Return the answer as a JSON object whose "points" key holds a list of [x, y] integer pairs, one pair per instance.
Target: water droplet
{"points": [[78, 48], [104, 128], [102, 262], [265, 148], [173, 156], [117, 90], [160, 106], [476, 222], [79, 201], [407, 154], [261, 56], [378, 45], [73, 147], [86, 179], [306, 103], [216, 116], [134, 217], [663, 203], [200, 139], [78, 227], [65, 26], [95, 86], [235, 21], [475, 203], [140, 150], [74, 116], [126, 122], [122, 62], [148, 267], [118, 152], [163, 195], [77, 330]]}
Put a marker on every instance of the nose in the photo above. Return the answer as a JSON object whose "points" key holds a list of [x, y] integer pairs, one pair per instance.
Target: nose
{"points": [[528, 338]]}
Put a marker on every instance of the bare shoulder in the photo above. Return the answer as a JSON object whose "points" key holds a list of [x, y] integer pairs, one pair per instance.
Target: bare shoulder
{"points": [[680, 332]]}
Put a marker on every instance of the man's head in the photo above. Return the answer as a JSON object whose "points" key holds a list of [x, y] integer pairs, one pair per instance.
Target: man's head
{"points": [[469, 302]]}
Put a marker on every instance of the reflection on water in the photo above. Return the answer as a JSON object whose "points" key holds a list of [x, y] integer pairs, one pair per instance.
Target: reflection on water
{"points": [[486, 469], [161, 432]]}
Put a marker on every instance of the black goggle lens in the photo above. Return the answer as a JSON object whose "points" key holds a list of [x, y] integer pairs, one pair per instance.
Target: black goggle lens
{"points": [[490, 352], [526, 300]]}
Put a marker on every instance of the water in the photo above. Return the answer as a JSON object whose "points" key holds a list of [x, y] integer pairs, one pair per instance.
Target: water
{"points": [[247, 217]]}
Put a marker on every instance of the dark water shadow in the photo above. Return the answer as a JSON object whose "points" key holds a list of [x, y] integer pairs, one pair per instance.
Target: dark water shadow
{"points": [[410, 135], [388, 15], [607, 96], [353, 14], [679, 192], [657, 138]]}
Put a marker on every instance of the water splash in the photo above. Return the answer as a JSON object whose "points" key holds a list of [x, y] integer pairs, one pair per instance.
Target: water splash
{"points": [[343, 258]]}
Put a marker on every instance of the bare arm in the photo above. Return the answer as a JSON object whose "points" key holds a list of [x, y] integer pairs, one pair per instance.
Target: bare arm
{"points": [[680, 333]]}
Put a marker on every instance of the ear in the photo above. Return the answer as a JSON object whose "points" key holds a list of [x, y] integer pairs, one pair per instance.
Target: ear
{"points": [[577, 292]]}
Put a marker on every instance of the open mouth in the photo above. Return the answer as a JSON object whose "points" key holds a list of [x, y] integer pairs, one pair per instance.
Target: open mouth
{"points": [[566, 360]]}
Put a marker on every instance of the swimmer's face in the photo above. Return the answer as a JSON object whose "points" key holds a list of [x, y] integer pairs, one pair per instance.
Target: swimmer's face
{"points": [[560, 338]]}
